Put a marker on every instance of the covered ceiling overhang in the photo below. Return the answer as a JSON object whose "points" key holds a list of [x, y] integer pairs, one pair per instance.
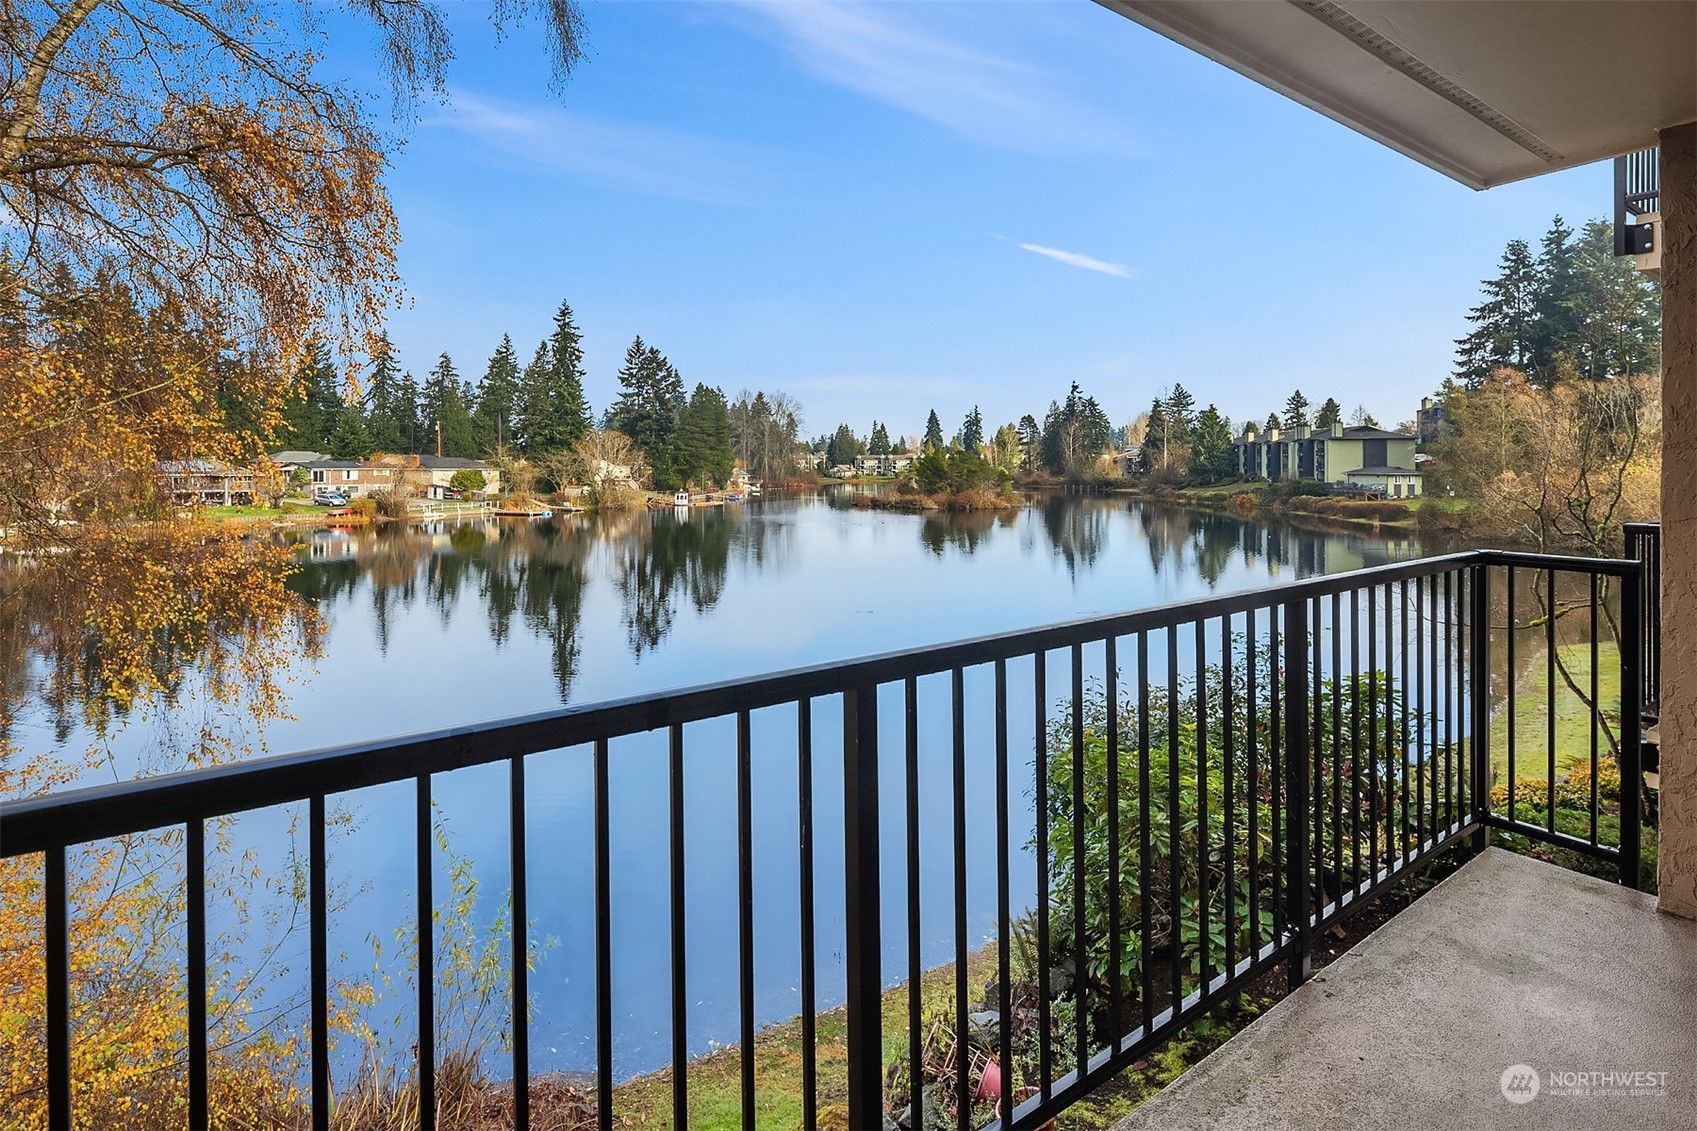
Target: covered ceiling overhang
{"points": [[1486, 91]]}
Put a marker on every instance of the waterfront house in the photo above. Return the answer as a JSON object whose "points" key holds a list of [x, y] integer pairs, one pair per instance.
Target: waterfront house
{"points": [[201, 482], [1362, 457], [891, 464]]}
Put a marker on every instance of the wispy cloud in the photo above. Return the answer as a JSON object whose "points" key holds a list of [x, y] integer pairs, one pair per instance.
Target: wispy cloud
{"points": [[1074, 259], [891, 57], [648, 159]]}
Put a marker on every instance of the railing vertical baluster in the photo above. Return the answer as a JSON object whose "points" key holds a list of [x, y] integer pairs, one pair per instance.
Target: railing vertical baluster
{"points": [[319, 951], [194, 858], [424, 832], [56, 940], [1354, 741], [1375, 746], [1510, 680], [809, 991], [1442, 686], [1229, 809], [862, 907], [1040, 696], [1080, 874], [1297, 629], [520, 927], [1550, 696], [680, 927], [1282, 802], [1479, 686], [1453, 669], [1596, 706], [915, 958], [1253, 796], [1111, 695], [1004, 972], [957, 697], [1631, 730], [1145, 852], [1202, 845], [1175, 826], [1421, 728], [1337, 744], [603, 944], [745, 913]]}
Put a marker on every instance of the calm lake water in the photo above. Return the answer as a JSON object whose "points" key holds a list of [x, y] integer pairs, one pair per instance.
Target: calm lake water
{"points": [[448, 624]]}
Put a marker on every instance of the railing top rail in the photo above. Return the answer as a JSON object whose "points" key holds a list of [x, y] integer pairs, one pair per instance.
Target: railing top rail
{"points": [[76, 816]]}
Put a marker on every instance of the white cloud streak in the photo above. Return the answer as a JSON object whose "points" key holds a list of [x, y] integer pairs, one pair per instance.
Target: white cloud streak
{"points": [[647, 159], [1087, 262], [895, 59]]}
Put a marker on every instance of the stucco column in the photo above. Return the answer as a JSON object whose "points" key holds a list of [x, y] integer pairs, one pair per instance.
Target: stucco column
{"points": [[1678, 866]]}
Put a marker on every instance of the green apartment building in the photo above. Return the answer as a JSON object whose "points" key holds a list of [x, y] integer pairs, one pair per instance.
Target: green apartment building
{"points": [[1361, 457]]}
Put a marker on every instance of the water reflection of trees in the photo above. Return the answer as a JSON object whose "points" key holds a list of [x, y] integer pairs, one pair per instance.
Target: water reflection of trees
{"points": [[964, 530], [663, 558], [1077, 529]]}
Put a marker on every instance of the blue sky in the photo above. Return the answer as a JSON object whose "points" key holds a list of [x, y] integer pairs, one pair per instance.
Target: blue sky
{"points": [[887, 207]]}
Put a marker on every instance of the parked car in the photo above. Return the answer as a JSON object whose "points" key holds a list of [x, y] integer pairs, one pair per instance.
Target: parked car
{"points": [[329, 498]]}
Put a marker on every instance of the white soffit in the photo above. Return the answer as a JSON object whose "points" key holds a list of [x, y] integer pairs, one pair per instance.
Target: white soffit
{"points": [[1486, 91]]}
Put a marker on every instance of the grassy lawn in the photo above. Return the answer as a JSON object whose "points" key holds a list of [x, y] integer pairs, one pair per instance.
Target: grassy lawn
{"points": [[1573, 717], [287, 509], [715, 1080]]}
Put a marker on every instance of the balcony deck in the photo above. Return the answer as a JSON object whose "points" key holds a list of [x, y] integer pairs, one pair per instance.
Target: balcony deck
{"points": [[1508, 961]]}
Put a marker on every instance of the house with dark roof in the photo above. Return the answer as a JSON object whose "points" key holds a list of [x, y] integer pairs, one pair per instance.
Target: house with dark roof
{"points": [[1360, 457]]}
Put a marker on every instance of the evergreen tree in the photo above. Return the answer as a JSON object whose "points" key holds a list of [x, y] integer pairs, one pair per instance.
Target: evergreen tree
{"points": [[1181, 410], [497, 398], [647, 409], [1504, 325], [843, 447], [1616, 327], [1075, 433], [316, 408], [880, 442], [1272, 424], [1296, 411], [933, 431], [406, 413], [387, 423], [349, 440], [442, 405], [1330, 413], [972, 431], [1155, 436], [1557, 285], [1030, 443], [570, 417], [704, 449], [1211, 457]]}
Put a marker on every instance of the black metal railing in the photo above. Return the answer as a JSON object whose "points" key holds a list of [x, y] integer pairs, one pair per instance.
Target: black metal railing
{"points": [[1637, 193], [1644, 544], [1211, 784]]}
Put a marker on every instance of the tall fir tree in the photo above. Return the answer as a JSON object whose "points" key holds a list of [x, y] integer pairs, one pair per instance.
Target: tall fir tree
{"points": [[497, 398], [972, 431], [1181, 410], [387, 423], [843, 447], [1330, 413], [1030, 443], [933, 431], [879, 445], [1211, 457], [311, 415], [570, 417], [1504, 325], [647, 409], [349, 439], [1557, 283], [1296, 410], [705, 454], [1075, 433], [1272, 425], [442, 404], [406, 413]]}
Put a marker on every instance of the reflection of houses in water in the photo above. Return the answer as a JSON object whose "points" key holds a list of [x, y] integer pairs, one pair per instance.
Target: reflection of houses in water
{"points": [[1185, 539]]}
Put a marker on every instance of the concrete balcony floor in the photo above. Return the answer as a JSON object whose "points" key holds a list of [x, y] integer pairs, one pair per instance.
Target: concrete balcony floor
{"points": [[1510, 961]]}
